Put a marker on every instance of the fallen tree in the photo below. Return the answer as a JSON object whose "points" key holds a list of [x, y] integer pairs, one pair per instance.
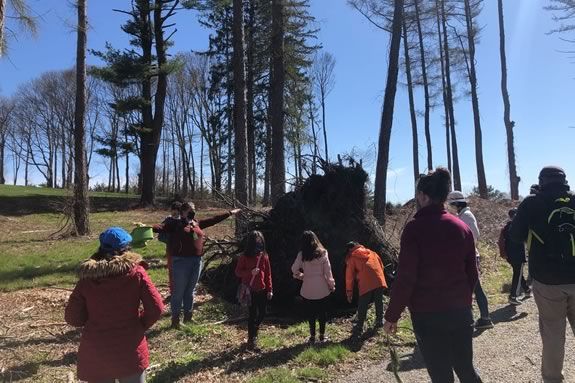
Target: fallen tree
{"points": [[333, 205]]}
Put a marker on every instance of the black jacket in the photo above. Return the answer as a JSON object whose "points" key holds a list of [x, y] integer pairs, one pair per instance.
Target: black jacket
{"points": [[529, 224]]}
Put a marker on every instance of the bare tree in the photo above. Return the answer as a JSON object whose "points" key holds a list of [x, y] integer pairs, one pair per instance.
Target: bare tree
{"points": [[412, 112], [81, 201], [509, 125], [6, 111], [277, 84], [380, 197], [324, 79], [240, 127], [20, 12]]}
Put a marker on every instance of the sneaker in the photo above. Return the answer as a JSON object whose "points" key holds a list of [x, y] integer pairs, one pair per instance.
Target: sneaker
{"points": [[252, 346], [482, 324], [527, 293], [378, 326], [187, 317], [323, 339], [514, 301], [175, 323], [311, 340]]}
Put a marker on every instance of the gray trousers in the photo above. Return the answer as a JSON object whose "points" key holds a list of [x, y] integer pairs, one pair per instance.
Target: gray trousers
{"points": [[556, 305]]}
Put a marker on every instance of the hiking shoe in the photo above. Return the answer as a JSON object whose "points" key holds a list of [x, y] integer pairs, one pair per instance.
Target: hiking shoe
{"points": [[514, 301], [378, 326], [252, 346], [527, 293], [482, 324], [175, 324], [323, 339], [311, 340], [187, 317]]}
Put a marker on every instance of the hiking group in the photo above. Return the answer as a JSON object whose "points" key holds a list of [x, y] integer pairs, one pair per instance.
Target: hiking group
{"points": [[438, 273]]}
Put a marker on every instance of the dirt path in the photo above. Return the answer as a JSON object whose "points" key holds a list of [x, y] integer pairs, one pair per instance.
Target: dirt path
{"points": [[508, 353]]}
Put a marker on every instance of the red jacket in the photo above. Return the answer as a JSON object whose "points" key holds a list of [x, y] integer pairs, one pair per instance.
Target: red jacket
{"points": [[262, 281], [187, 237], [437, 265], [106, 302]]}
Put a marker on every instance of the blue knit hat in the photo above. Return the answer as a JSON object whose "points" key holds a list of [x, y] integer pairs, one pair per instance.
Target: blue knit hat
{"points": [[115, 239]]}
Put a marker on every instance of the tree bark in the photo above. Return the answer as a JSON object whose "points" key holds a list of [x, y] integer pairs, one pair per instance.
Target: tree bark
{"points": [[482, 183], [451, 108], [2, 147], [412, 112], [252, 173], [323, 125], [268, 166], [425, 87], [277, 101], [380, 198], [240, 127], [314, 136], [2, 19], [81, 200], [509, 125], [444, 93]]}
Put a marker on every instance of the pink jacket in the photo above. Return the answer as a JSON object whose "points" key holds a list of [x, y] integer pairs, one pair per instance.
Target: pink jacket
{"points": [[317, 278]]}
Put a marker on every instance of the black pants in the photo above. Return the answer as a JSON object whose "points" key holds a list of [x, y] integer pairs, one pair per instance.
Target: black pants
{"points": [[518, 282], [375, 295], [257, 312], [446, 343], [316, 309]]}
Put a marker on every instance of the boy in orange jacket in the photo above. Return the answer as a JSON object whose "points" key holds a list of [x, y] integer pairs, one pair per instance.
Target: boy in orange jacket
{"points": [[366, 267]]}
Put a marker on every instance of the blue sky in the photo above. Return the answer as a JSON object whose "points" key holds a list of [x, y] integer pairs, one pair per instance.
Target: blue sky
{"points": [[540, 84]]}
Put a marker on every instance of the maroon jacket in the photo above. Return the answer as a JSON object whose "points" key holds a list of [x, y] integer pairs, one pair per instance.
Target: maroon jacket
{"points": [[437, 265], [187, 237], [244, 268], [106, 302]]}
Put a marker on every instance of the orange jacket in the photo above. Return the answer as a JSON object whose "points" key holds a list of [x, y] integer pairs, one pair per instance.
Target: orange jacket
{"points": [[365, 266]]}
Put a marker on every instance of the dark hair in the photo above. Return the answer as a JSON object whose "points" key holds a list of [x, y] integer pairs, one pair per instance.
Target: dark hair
{"points": [[251, 240], [350, 245], [512, 213], [106, 254], [187, 206], [436, 185], [311, 247], [534, 189], [176, 205], [460, 205]]}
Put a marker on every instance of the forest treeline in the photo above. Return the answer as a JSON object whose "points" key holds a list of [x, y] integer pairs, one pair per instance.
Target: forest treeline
{"points": [[248, 117]]}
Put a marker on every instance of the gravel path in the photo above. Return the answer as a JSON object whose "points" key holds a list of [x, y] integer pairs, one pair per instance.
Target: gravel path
{"points": [[508, 353]]}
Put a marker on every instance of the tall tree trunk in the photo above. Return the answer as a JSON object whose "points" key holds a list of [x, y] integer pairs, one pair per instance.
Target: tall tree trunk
{"points": [[444, 92], [277, 101], [412, 112], [81, 201], [2, 18], [268, 166], [27, 162], [252, 173], [482, 183], [2, 147], [175, 162], [117, 163], [202, 167], [127, 186], [240, 128], [314, 136], [63, 159], [323, 125], [425, 87], [451, 108], [509, 125], [380, 198]]}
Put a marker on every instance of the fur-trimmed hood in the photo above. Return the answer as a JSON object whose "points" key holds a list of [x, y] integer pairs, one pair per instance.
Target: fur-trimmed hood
{"points": [[104, 268]]}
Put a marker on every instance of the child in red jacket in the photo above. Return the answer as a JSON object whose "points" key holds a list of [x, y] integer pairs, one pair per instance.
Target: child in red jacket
{"points": [[254, 269], [106, 303]]}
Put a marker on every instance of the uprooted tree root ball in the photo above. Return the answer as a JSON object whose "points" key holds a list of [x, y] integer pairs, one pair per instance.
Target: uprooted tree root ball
{"points": [[333, 205]]}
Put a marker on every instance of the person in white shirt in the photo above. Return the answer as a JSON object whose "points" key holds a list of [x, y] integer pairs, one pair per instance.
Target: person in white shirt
{"points": [[457, 200]]}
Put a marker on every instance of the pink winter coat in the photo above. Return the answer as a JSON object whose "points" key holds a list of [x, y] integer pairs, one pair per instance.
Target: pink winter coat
{"points": [[106, 303], [317, 278]]}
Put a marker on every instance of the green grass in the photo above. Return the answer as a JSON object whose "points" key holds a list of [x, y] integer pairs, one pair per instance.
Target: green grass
{"points": [[276, 375], [300, 329], [31, 191], [269, 341], [313, 374], [175, 369], [323, 356]]}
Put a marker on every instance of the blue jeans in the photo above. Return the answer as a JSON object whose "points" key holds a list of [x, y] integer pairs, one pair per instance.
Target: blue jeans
{"points": [[481, 299], [185, 276], [446, 343]]}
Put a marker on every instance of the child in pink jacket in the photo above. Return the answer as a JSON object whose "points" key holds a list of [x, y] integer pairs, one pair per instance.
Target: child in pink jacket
{"points": [[313, 268]]}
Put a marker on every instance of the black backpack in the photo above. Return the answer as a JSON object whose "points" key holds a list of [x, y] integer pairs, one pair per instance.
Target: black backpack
{"points": [[560, 241]]}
